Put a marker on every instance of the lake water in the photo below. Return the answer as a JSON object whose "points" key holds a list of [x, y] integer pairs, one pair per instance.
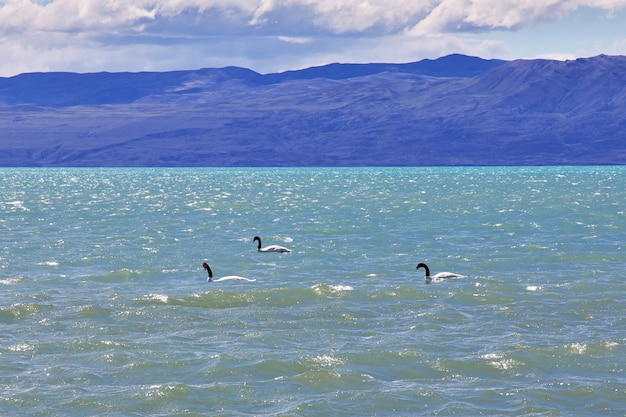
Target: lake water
{"points": [[105, 309]]}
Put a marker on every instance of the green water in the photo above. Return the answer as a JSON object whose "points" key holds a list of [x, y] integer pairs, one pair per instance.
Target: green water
{"points": [[105, 308]]}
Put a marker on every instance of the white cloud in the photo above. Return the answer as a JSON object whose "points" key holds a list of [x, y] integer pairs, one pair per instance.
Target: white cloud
{"points": [[480, 15], [332, 16], [294, 39]]}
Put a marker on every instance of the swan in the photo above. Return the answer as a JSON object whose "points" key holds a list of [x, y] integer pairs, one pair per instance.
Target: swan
{"points": [[270, 248], [438, 276], [227, 278]]}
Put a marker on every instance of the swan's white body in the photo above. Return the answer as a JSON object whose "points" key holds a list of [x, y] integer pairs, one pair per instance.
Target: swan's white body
{"points": [[231, 278], [270, 248], [226, 278], [438, 276], [441, 275]]}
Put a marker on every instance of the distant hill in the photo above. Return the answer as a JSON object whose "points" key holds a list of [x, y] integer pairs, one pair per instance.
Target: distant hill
{"points": [[455, 110]]}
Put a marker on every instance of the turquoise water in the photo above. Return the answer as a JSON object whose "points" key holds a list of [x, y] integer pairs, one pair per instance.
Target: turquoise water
{"points": [[105, 309]]}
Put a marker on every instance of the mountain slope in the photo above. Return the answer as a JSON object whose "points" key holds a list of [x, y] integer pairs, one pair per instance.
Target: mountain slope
{"points": [[456, 110]]}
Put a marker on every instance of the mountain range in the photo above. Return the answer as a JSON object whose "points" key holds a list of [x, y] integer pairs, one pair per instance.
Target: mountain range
{"points": [[455, 110]]}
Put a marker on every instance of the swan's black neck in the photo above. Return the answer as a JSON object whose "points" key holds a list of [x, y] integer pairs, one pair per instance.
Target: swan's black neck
{"points": [[208, 269], [259, 239], [422, 265]]}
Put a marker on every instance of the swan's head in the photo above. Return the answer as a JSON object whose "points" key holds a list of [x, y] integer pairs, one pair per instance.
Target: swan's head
{"points": [[423, 265]]}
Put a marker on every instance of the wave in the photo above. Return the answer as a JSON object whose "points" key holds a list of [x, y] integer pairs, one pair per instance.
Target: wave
{"points": [[18, 312], [10, 281], [224, 297]]}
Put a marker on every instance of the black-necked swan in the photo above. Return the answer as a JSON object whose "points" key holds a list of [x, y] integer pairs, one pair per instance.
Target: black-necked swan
{"points": [[270, 248], [227, 278], [438, 276]]}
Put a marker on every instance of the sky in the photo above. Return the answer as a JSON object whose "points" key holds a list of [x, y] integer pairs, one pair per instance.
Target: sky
{"points": [[278, 35]]}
